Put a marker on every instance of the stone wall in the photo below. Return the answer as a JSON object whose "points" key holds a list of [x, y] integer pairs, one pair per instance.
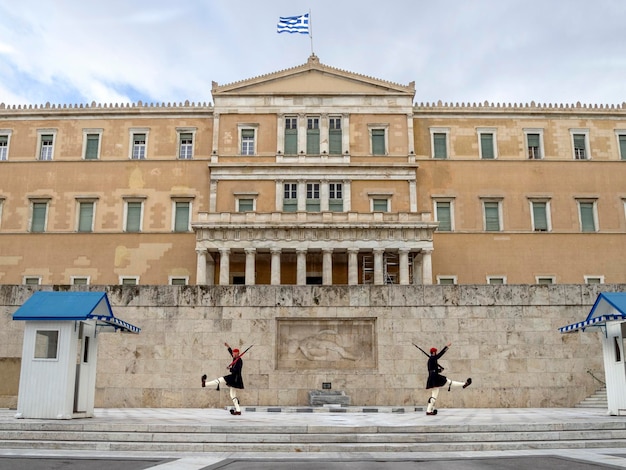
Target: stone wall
{"points": [[357, 338]]}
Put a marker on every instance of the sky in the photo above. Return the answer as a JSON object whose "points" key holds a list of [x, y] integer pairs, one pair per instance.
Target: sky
{"points": [[457, 51]]}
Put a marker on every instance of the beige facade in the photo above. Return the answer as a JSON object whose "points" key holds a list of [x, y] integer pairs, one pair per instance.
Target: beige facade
{"points": [[312, 175]]}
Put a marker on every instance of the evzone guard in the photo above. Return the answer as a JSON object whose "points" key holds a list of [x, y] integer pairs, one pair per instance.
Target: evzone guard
{"points": [[436, 380], [233, 380]]}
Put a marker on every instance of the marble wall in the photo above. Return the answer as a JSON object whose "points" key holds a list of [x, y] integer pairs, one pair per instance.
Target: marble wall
{"points": [[357, 338]]}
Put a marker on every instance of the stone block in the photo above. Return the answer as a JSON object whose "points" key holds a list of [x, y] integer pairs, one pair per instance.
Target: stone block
{"points": [[328, 397]]}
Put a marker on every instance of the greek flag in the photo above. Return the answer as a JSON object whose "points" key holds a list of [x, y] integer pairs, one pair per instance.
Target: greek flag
{"points": [[293, 24]]}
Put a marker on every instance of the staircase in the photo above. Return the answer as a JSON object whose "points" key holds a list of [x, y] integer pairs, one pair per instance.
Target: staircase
{"points": [[597, 400]]}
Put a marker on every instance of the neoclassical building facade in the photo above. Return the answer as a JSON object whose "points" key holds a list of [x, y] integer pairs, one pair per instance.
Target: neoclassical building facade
{"points": [[312, 175]]}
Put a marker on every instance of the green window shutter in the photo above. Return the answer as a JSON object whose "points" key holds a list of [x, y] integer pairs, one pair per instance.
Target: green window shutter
{"points": [[38, 224], [378, 141], [313, 141], [540, 216], [486, 145], [291, 141], [586, 217], [334, 141], [380, 205], [622, 147], [439, 143], [85, 217], [492, 217], [246, 205], [91, 148], [444, 217], [181, 222], [533, 141], [4, 140], [133, 217]]}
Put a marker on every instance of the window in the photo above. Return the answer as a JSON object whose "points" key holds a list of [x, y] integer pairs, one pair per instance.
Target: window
{"points": [[580, 144], [46, 144], [139, 141], [134, 216], [439, 142], [621, 143], [487, 144], [446, 280], [378, 139], [334, 136], [182, 212], [129, 280], [245, 202], [247, 141], [79, 280], [39, 216], [46, 344], [493, 217], [545, 280], [335, 197], [594, 279], [443, 215], [179, 281], [85, 216], [496, 280], [32, 280], [185, 145], [290, 197], [379, 204], [534, 143], [5, 137], [91, 143], [313, 197], [313, 136], [291, 135], [540, 216], [588, 215]]}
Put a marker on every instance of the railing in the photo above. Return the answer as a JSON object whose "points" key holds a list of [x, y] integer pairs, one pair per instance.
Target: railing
{"points": [[251, 218]]}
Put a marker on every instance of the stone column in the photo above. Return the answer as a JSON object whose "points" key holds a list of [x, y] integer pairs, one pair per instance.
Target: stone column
{"points": [[301, 195], [279, 195], [280, 134], [378, 267], [201, 266], [413, 195], [275, 266], [347, 195], [404, 266], [224, 266], [353, 266], [427, 266], [301, 267], [210, 270], [324, 195], [250, 266], [301, 134], [327, 266]]}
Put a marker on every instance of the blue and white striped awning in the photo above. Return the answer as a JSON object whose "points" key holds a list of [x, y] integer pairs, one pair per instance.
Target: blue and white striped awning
{"points": [[609, 306], [116, 323]]}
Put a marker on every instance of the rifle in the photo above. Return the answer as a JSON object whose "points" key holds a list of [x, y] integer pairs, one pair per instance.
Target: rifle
{"points": [[428, 355], [239, 357]]}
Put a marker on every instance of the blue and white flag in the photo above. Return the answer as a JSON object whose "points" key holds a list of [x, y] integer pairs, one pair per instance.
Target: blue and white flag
{"points": [[293, 24]]}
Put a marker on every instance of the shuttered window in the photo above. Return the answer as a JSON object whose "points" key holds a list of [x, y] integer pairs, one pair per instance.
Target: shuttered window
{"points": [[440, 147], [378, 141], [313, 136], [380, 205], [245, 205], [91, 146], [181, 221], [622, 146], [290, 197], [533, 142], [85, 216], [486, 146], [444, 217], [587, 219], [291, 136], [334, 136], [540, 216], [492, 216], [580, 147], [133, 216], [38, 223]]}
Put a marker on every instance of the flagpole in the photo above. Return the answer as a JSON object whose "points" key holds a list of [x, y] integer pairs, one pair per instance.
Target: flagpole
{"points": [[311, 31]]}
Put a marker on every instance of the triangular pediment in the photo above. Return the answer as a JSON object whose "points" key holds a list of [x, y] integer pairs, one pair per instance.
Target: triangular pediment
{"points": [[313, 78]]}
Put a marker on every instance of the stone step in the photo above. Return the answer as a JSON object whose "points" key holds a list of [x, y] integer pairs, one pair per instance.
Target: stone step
{"points": [[597, 400]]}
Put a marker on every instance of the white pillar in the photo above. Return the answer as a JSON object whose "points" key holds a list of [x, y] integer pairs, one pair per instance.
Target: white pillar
{"points": [[224, 266], [280, 134], [301, 267], [275, 266], [413, 195], [378, 267], [201, 266], [427, 267], [404, 266], [327, 266], [250, 266], [324, 195], [279, 195], [353, 266], [301, 195], [210, 270], [347, 195]]}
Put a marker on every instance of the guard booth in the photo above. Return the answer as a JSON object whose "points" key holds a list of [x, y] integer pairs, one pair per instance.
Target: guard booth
{"points": [[60, 352], [608, 316]]}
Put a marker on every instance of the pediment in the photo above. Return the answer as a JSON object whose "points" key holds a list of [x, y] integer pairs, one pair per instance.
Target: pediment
{"points": [[313, 78]]}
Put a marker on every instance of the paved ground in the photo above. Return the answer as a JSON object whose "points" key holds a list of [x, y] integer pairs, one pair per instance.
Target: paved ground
{"points": [[549, 459]]}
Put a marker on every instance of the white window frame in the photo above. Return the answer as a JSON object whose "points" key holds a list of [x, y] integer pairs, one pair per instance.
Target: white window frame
{"points": [[135, 279], [546, 200], [47, 357], [32, 202], [380, 196], [589, 277], [74, 278], [540, 278], [170, 280], [596, 223], [378, 126], [86, 133], [542, 152], [4, 150], [80, 200], [245, 127], [493, 278], [134, 199], [493, 132], [181, 199], [440, 130], [132, 133], [449, 199], [245, 195], [179, 133], [498, 200], [584, 132], [40, 134], [444, 277]]}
